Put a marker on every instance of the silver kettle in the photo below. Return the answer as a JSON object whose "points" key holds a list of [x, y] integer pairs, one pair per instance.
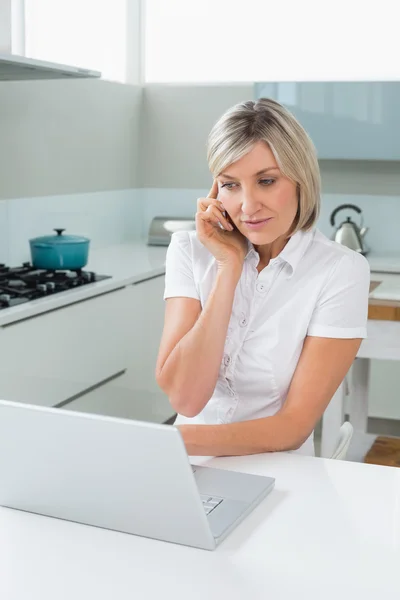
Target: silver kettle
{"points": [[349, 233]]}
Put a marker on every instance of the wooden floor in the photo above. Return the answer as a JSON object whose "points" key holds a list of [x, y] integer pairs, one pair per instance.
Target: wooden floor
{"points": [[384, 451]]}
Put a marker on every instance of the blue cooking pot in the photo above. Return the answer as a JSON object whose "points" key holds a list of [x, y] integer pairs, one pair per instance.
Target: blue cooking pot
{"points": [[67, 252]]}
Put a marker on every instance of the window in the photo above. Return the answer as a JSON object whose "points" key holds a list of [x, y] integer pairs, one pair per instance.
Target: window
{"points": [[260, 40], [85, 33]]}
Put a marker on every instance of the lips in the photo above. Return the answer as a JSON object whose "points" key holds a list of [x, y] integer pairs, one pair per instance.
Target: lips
{"points": [[257, 224]]}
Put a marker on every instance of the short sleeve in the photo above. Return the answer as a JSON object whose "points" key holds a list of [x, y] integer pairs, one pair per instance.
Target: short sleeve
{"points": [[342, 307], [179, 278]]}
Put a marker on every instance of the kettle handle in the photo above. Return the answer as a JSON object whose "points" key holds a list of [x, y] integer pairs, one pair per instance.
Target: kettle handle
{"points": [[341, 207]]}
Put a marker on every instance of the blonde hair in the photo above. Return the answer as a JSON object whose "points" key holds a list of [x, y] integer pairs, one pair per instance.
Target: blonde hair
{"points": [[247, 123]]}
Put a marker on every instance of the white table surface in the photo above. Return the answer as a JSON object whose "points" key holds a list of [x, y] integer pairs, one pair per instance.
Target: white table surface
{"points": [[329, 530]]}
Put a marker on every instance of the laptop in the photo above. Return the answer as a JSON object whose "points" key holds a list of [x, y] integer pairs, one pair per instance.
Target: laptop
{"points": [[119, 474]]}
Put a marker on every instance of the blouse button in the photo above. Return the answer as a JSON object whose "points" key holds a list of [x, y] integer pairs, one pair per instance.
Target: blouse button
{"points": [[227, 360], [261, 287], [243, 322]]}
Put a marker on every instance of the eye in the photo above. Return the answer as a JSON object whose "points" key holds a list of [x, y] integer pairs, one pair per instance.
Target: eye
{"points": [[266, 181], [228, 186]]}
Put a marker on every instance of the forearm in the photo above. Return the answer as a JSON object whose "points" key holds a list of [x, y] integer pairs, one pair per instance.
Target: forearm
{"points": [[190, 373], [270, 434]]}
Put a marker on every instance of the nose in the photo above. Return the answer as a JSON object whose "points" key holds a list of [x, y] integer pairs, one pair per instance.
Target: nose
{"points": [[250, 204]]}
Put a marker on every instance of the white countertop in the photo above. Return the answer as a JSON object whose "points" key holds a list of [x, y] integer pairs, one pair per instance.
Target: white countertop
{"points": [[133, 262], [386, 263], [126, 263], [329, 530]]}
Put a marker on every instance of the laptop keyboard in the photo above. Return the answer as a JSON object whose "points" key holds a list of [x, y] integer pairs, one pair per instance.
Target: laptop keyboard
{"points": [[210, 502]]}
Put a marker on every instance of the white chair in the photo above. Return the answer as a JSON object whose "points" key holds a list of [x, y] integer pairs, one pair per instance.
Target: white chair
{"points": [[345, 435], [332, 420]]}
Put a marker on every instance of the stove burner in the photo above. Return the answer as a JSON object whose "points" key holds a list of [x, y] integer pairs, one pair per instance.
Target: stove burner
{"points": [[25, 283], [16, 283]]}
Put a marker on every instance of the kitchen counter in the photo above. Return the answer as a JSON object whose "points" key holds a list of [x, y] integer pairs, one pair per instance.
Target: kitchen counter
{"points": [[384, 268], [330, 529], [380, 309], [136, 261], [126, 263], [384, 263]]}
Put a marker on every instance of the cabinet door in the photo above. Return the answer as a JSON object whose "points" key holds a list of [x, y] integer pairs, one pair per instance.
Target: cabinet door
{"points": [[145, 330], [52, 357], [384, 397], [346, 120], [135, 395], [147, 325], [148, 309]]}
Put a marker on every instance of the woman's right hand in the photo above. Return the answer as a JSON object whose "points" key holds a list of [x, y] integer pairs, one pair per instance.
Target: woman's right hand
{"points": [[227, 245]]}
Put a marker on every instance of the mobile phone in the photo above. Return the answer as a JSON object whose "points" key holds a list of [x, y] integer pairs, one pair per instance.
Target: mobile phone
{"points": [[227, 217]]}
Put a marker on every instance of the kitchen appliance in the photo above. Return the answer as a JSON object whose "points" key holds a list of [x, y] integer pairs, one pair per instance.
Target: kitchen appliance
{"points": [[161, 229], [349, 233], [59, 251], [25, 283]]}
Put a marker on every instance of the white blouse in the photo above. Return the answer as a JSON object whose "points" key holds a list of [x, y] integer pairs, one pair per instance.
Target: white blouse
{"points": [[313, 287]]}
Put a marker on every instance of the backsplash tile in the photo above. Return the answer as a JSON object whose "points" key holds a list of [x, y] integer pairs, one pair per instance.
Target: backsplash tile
{"points": [[115, 217], [380, 213], [104, 217], [158, 202]]}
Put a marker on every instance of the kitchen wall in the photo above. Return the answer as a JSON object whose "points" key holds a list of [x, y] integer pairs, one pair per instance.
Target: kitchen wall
{"points": [[102, 158], [107, 218], [68, 158], [176, 122], [61, 137], [380, 212], [173, 168]]}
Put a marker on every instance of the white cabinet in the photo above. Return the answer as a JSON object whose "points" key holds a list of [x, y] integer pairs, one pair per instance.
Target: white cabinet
{"points": [[146, 329], [346, 120], [384, 390], [50, 358], [135, 394]]}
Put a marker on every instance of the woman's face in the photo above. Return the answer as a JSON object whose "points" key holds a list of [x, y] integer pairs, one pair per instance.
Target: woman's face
{"points": [[261, 202]]}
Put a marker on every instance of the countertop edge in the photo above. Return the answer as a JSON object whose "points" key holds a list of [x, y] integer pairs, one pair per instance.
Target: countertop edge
{"points": [[128, 251], [63, 299]]}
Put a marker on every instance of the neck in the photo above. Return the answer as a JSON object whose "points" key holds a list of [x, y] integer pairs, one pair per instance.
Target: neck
{"points": [[269, 251]]}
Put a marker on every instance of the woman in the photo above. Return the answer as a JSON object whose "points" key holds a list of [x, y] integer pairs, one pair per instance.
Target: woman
{"points": [[264, 314]]}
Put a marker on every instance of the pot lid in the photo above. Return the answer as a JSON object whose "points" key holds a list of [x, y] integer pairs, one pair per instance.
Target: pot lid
{"points": [[59, 238]]}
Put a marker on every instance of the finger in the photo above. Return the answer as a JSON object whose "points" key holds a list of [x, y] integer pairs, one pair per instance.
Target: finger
{"points": [[204, 203], [210, 219], [213, 193], [214, 214]]}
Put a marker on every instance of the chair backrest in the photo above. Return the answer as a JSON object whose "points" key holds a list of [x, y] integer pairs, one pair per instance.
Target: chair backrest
{"points": [[345, 435]]}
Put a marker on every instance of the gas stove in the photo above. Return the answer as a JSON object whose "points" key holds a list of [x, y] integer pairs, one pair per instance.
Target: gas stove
{"points": [[25, 283]]}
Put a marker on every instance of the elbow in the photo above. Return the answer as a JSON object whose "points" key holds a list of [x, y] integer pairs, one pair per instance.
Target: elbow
{"points": [[294, 433], [159, 378], [295, 444], [186, 406], [290, 444], [297, 439], [183, 403]]}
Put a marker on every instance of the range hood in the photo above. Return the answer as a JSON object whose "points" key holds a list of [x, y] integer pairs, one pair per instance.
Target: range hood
{"points": [[17, 68]]}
